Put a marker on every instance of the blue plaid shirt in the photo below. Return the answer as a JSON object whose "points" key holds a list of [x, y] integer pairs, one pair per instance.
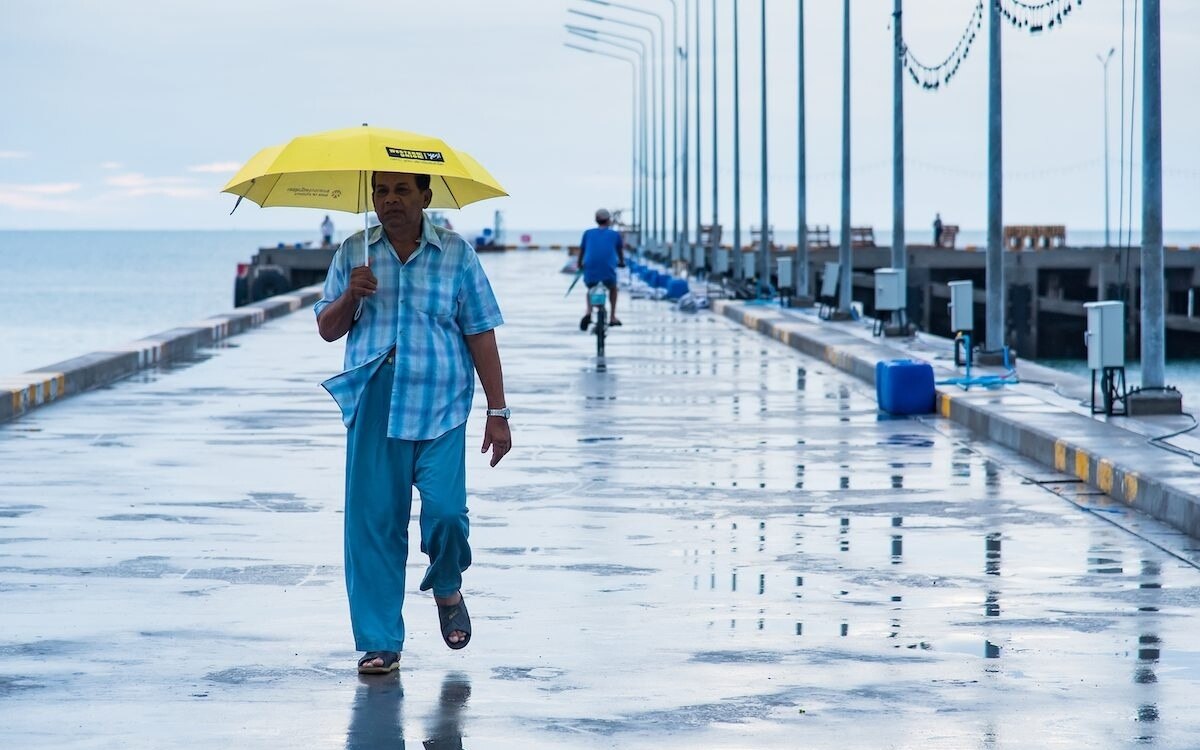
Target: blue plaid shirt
{"points": [[422, 308]]}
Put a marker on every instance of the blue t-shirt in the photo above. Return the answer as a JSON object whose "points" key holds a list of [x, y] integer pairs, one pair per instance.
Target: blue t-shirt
{"points": [[599, 247]]}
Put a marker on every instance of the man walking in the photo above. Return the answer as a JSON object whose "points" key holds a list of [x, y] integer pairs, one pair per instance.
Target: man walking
{"points": [[601, 251], [420, 323]]}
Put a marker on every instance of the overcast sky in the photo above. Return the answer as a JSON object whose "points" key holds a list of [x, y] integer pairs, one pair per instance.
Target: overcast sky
{"points": [[133, 113]]}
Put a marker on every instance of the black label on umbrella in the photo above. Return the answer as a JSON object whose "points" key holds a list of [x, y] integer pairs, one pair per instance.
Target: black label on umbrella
{"points": [[405, 153]]}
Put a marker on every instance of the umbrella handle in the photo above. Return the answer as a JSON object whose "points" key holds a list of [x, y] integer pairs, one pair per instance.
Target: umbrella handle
{"points": [[366, 259]]}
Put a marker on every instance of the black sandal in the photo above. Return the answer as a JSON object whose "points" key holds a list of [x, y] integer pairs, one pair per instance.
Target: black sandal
{"points": [[390, 659], [454, 617]]}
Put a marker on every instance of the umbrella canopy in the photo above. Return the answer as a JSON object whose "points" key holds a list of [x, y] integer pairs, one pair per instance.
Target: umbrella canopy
{"points": [[331, 170], [478, 173]]}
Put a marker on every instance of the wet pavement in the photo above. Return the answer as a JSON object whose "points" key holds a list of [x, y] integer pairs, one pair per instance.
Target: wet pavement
{"points": [[707, 540]]}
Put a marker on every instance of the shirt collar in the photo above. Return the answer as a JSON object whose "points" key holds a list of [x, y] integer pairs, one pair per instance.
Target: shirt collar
{"points": [[429, 234]]}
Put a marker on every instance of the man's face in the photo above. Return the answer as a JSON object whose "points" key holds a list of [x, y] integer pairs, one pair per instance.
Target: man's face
{"points": [[398, 201]]}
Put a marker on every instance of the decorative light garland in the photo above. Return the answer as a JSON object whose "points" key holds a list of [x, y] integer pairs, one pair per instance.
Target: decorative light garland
{"points": [[933, 77], [1036, 17]]}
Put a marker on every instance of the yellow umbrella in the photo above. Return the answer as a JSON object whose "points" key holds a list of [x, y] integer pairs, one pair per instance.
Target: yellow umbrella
{"points": [[478, 173], [332, 170]]}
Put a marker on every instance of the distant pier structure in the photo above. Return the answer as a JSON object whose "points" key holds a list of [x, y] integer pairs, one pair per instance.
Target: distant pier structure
{"points": [[1045, 288]]}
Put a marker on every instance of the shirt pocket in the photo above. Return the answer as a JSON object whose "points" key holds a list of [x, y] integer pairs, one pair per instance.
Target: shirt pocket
{"points": [[434, 298], [440, 309]]}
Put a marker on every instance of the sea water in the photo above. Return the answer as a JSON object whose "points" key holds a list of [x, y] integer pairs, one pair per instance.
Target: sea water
{"points": [[66, 293]]}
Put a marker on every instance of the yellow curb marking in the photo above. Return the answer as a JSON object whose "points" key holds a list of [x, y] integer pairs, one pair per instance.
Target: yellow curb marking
{"points": [[1060, 456], [53, 387], [944, 400], [1104, 475], [1130, 483], [26, 395], [1083, 469]]}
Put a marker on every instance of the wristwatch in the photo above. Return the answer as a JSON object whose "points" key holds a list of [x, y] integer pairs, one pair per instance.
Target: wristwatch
{"points": [[502, 412]]}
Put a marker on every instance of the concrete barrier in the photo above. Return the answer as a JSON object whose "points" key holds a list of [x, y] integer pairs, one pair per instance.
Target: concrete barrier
{"points": [[25, 391], [1119, 462]]}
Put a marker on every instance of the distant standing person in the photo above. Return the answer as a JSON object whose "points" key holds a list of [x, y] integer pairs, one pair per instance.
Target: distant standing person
{"points": [[419, 324], [601, 252], [327, 230], [937, 230]]}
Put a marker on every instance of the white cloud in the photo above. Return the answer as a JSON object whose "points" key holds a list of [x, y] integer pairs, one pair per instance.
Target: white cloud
{"points": [[38, 197], [137, 185], [218, 167], [15, 154], [111, 165]]}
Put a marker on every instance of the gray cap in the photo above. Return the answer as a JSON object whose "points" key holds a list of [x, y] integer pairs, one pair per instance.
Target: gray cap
{"points": [[603, 216]]}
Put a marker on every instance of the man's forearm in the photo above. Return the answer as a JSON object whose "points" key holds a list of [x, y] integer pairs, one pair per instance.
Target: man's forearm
{"points": [[486, 356], [335, 321]]}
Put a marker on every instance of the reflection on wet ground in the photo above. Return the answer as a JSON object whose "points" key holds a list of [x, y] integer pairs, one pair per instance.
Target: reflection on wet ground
{"points": [[709, 541], [376, 716]]}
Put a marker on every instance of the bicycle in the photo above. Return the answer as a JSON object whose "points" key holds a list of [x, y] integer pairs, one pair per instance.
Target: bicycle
{"points": [[598, 304]]}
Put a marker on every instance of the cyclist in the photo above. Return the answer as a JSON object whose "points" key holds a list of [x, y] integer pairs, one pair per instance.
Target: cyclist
{"points": [[601, 252]]}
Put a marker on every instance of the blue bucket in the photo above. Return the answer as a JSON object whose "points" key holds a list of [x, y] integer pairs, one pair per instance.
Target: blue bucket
{"points": [[676, 288]]}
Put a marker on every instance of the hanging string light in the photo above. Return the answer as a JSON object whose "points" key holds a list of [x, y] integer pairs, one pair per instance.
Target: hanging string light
{"points": [[1036, 17], [933, 77]]}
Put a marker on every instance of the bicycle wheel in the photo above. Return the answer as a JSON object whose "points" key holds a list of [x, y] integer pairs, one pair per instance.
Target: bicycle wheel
{"points": [[601, 327]]}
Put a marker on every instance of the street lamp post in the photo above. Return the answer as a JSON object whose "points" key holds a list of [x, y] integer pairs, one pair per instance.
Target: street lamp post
{"points": [[800, 269], [764, 245], [657, 154], [899, 256], [994, 262], [681, 172], [845, 260], [1104, 59], [662, 125], [636, 138], [1153, 348], [696, 54], [738, 266], [716, 183], [647, 63]]}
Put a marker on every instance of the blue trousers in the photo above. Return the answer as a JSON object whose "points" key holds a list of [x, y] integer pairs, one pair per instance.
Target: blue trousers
{"points": [[380, 475]]}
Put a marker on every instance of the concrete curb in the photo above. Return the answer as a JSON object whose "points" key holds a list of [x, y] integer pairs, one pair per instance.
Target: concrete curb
{"points": [[26, 391], [1113, 460]]}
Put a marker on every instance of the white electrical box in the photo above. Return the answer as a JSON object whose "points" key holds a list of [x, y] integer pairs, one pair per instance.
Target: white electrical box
{"points": [[784, 273], [962, 306], [749, 265], [829, 280], [698, 256], [890, 291], [721, 260], [1105, 334]]}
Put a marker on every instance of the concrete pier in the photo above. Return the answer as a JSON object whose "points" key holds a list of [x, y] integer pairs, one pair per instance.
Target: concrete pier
{"points": [[709, 539]]}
